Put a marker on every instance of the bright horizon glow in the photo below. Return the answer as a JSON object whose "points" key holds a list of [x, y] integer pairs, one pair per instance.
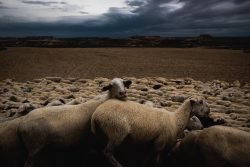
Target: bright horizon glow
{"points": [[48, 10], [97, 7]]}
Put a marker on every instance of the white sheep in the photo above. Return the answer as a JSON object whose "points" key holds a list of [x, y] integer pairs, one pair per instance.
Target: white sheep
{"points": [[120, 120], [61, 125], [214, 146], [194, 122]]}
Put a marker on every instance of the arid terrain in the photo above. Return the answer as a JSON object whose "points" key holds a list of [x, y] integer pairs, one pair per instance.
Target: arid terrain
{"points": [[25, 64], [222, 76]]}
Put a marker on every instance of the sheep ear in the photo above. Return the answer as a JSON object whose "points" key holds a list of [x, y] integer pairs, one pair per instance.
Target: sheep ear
{"points": [[107, 87], [127, 83]]}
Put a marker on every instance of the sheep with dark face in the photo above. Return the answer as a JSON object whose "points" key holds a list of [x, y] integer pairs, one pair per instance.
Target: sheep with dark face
{"points": [[117, 88], [60, 126], [118, 121], [218, 146]]}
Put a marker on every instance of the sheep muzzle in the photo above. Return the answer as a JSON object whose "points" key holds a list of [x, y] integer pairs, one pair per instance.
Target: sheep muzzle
{"points": [[123, 94]]}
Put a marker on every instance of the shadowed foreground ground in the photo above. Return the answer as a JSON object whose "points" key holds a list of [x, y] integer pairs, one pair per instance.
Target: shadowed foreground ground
{"points": [[229, 105], [201, 64]]}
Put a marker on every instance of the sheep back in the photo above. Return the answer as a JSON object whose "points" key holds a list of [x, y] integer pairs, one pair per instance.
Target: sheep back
{"points": [[137, 121], [60, 125], [217, 146]]}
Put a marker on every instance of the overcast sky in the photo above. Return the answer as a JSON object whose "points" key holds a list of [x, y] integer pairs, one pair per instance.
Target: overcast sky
{"points": [[121, 18]]}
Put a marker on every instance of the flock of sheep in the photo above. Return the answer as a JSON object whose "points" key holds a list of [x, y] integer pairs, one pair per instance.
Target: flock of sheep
{"points": [[110, 120]]}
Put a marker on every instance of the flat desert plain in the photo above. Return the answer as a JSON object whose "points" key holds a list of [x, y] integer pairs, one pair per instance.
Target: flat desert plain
{"points": [[202, 64]]}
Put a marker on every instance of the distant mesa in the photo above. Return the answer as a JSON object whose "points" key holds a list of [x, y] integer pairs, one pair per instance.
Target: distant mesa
{"points": [[205, 37], [146, 37], [39, 37], [203, 40], [3, 48]]}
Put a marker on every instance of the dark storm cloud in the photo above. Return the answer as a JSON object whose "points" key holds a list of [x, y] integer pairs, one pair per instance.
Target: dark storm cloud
{"points": [[152, 17], [219, 17], [134, 3], [42, 2]]}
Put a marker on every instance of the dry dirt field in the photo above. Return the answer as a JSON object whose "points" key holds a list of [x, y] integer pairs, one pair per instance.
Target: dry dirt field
{"points": [[25, 64]]}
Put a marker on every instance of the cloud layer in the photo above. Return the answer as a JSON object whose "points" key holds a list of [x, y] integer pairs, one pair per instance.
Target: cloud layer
{"points": [[126, 18], [42, 2]]}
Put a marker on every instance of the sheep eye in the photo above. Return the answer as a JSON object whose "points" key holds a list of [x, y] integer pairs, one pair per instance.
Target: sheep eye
{"points": [[201, 101]]}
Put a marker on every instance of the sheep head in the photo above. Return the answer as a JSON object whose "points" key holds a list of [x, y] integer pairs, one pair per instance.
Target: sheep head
{"points": [[194, 124], [199, 107], [117, 88]]}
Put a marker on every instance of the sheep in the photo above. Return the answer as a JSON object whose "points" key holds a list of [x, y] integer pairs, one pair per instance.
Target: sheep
{"points": [[214, 146], [149, 103], [62, 126], [22, 110], [118, 121], [12, 151], [194, 124]]}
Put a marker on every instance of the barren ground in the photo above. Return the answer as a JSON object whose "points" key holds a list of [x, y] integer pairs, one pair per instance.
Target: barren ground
{"points": [[25, 64]]}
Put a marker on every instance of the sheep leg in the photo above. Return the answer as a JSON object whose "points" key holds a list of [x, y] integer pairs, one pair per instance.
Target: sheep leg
{"points": [[109, 154], [158, 158], [159, 147], [148, 160], [32, 157], [154, 160]]}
